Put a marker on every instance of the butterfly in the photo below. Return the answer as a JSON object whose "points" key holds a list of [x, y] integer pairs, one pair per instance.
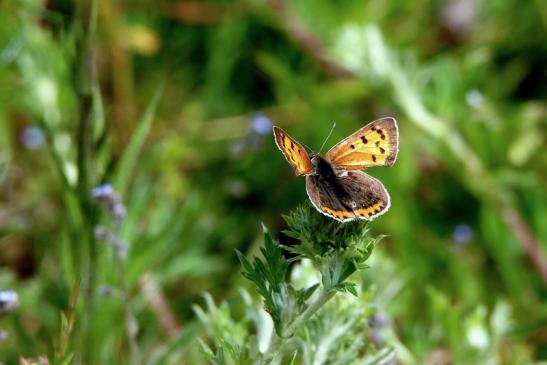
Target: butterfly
{"points": [[335, 183]]}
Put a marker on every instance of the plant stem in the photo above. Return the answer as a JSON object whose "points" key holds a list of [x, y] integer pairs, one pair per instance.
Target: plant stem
{"points": [[119, 248], [128, 316], [279, 345], [323, 297], [85, 77]]}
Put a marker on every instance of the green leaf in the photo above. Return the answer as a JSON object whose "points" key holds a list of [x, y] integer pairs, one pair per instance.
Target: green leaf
{"points": [[347, 287], [130, 157], [309, 291]]}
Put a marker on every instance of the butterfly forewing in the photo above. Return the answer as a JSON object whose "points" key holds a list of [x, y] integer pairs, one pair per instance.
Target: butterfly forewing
{"points": [[295, 154], [376, 144]]}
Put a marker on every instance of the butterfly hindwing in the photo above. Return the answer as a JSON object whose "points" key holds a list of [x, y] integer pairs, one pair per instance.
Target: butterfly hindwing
{"points": [[368, 197], [326, 201], [295, 154], [376, 144], [354, 195]]}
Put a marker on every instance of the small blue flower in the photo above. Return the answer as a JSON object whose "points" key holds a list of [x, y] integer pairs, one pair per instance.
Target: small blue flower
{"points": [[102, 191], [32, 138], [462, 234], [107, 196], [8, 300], [474, 98], [261, 124]]}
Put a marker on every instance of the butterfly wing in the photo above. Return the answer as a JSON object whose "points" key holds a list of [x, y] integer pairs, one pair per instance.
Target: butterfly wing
{"points": [[356, 195], [295, 154], [327, 200], [367, 196], [376, 144]]}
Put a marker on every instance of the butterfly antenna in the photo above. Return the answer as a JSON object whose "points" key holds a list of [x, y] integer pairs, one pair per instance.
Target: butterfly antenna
{"points": [[308, 148], [326, 139]]}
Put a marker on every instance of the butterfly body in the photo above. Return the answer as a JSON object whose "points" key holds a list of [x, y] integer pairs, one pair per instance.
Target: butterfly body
{"points": [[334, 183], [325, 184], [323, 172]]}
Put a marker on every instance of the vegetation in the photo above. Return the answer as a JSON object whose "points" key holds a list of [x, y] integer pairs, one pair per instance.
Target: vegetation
{"points": [[147, 217]]}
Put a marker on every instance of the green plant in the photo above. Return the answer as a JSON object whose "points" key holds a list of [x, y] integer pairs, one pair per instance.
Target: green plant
{"points": [[311, 323]]}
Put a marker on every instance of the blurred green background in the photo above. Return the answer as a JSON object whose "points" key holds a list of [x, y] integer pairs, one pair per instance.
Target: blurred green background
{"points": [[171, 102]]}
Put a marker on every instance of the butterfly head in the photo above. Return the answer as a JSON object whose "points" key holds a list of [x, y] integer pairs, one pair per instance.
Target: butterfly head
{"points": [[315, 159]]}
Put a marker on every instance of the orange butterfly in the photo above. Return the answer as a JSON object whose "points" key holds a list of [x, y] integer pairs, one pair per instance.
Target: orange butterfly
{"points": [[334, 183]]}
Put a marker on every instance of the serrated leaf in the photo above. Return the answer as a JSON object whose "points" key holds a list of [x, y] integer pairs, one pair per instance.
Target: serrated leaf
{"points": [[309, 291], [247, 267], [348, 287]]}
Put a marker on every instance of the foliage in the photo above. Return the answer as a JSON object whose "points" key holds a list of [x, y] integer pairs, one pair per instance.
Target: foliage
{"points": [[312, 326], [167, 106]]}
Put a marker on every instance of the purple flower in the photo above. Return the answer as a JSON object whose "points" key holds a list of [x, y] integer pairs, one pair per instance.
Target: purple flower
{"points": [[105, 191], [462, 234], [32, 138], [8, 301], [107, 196], [261, 124]]}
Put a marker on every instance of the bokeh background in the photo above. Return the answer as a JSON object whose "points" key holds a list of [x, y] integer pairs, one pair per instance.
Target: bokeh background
{"points": [[170, 103]]}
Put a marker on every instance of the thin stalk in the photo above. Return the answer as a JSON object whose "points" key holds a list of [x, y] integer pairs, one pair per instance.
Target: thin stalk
{"points": [[279, 345], [128, 316], [85, 77], [277, 350], [320, 301], [119, 250]]}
